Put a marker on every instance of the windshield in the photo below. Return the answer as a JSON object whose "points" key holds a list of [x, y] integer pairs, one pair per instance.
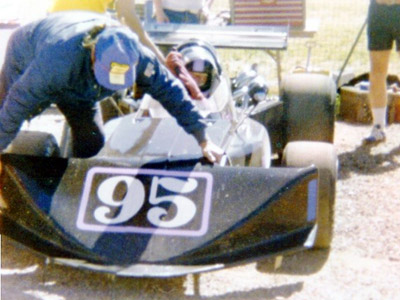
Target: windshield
{"points": [[219, 104]]}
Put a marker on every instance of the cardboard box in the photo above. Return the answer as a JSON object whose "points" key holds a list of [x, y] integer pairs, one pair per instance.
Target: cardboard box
{"points": [[355, 107], [393, 107]]}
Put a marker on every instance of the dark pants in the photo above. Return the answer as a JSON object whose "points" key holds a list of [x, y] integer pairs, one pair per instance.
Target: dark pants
{"points": [[86, 129]]}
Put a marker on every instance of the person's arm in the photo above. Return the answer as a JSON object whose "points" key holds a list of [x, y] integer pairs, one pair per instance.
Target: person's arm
{"points": [[161, 17], [208, 4], [25, 97], [47, 74], [156, 80], [127, 13], [175, 63], [206, 8]]}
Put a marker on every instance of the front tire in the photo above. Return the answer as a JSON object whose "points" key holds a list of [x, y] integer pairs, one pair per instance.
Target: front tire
{"points": [[323, 156]]}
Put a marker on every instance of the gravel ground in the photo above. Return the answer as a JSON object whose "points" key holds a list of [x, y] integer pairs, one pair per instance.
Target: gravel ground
{"points": [[364, 262]]}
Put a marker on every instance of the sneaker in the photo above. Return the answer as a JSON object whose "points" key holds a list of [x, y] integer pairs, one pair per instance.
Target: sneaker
{"points": [[377, 136]]}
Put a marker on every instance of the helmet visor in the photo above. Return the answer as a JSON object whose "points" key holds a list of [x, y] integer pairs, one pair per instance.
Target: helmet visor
{"points": [[200, 78]]}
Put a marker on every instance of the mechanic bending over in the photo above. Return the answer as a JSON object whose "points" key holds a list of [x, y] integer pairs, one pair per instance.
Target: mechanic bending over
{"points": [[126, 13], [75, 59]]}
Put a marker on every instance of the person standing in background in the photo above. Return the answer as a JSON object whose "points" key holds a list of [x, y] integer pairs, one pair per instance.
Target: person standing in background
{"points": [[383, 30], [125, 11], [181, 11]]}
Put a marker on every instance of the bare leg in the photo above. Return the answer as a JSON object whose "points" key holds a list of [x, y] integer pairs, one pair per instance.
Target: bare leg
{"points": [[379, 61], [379, 69]]}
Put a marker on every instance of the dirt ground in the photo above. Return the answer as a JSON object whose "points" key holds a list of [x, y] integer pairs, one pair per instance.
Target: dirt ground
{"points": [[363, 264]]}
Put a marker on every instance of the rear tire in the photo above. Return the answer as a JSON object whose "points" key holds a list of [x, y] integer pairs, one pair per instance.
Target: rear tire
{"points": [[309, 107], [323, 156]]}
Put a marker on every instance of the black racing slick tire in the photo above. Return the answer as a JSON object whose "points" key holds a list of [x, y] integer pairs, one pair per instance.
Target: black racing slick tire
{"points": [[309, 107], [35, 143], [323, 156]]}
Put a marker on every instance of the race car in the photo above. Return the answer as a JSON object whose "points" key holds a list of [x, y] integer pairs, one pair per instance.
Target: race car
{"points": [[149, 205]]}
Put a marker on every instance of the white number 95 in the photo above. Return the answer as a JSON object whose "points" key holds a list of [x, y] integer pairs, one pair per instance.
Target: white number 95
{"points": [[134, 200]]}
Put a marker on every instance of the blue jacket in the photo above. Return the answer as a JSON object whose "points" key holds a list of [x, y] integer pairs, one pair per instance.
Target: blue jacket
{"points": [[46, 63]]}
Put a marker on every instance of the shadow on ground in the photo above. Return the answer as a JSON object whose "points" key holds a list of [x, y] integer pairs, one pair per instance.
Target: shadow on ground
{"points": [[25, 276], [300, 263], [362, 161]]}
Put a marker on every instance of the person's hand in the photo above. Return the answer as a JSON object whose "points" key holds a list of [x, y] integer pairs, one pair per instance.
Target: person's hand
{"points": [[175, 63], [161, 17], [206, 13], [212, 152]]}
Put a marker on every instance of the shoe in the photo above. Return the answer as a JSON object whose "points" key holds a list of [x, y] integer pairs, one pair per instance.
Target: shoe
{"points": [[377, 136]]}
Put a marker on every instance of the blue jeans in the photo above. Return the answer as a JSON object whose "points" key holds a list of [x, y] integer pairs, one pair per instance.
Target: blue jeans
{"points": [[185, 17]]}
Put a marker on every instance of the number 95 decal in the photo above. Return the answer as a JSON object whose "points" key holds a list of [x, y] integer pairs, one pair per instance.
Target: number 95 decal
{"points": [[145, 201]]}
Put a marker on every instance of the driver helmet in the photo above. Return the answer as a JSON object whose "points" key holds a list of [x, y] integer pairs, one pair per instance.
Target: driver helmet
{"points": [[201, 61]]}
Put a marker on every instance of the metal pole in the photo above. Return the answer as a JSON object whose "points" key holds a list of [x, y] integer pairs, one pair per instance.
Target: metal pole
{"points": [[351, 51]]}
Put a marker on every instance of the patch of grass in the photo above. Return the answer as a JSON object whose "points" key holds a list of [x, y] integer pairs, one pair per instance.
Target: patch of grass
{"points": [[340, 22]]}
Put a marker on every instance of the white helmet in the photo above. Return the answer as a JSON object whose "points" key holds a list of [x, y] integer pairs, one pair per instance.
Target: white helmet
{"points": [[201, 61]]}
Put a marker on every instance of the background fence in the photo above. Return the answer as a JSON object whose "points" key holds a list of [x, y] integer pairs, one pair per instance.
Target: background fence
{"points": [[339, 23]]}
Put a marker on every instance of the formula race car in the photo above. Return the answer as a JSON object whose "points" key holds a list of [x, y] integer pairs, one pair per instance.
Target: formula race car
{"points": [[149, 205]]}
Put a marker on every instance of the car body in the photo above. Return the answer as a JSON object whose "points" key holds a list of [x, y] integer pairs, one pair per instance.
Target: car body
{"points": [[150, 205]]}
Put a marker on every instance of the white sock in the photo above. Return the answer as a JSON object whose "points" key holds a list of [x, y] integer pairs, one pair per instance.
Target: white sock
{"points": [[379, 115]]}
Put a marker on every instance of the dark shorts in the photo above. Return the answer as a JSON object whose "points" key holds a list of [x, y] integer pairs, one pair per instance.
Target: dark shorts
{"points": [[383, 27], [182, 17]]}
